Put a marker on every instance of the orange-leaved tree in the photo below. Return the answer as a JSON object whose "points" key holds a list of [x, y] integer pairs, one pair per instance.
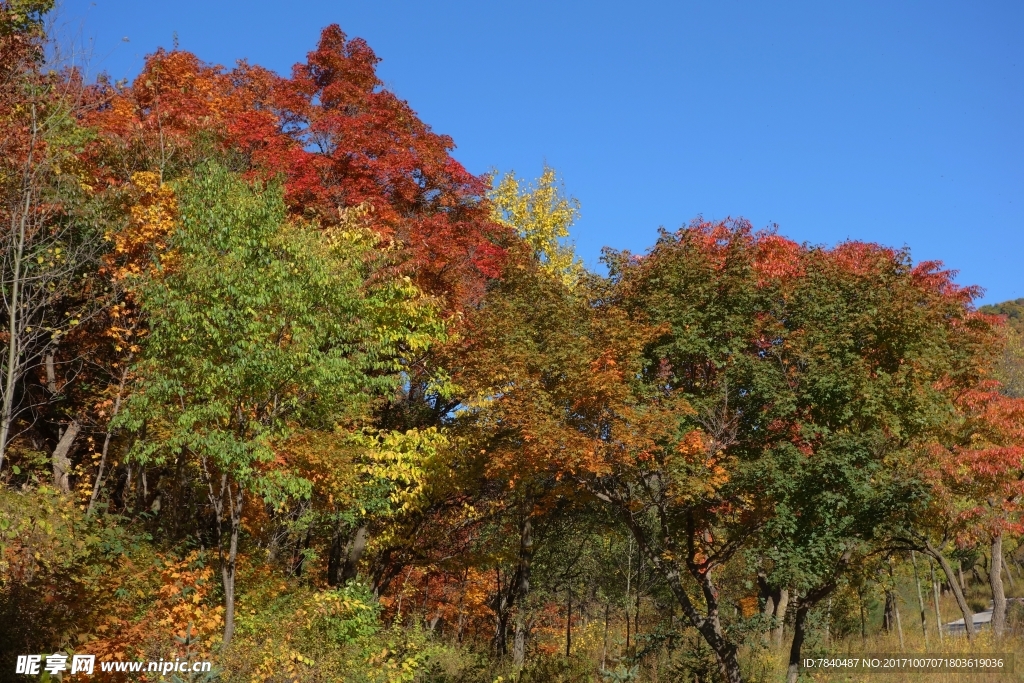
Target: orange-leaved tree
{"points": [[977, 480]]}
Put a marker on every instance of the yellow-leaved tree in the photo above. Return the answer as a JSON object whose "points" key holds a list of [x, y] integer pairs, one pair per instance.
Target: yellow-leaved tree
{"points": [[542, 215]]}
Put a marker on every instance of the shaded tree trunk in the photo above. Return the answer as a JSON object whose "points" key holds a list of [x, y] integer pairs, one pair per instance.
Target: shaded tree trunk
{"points": [[355, 550], [502, 611], [935, 600], [793, 670], [107, 437], [506, 598], [229, 568], [803, 606], [995, 574], [526, 561], [666, 562], [920, 599], [629, 579], [334, 558], [604, 646], [708, 625], [568, 623], [828, 623], [955, 587], [227, 506], [863, 617], [636, 611], [300, 551], [891, 617]]}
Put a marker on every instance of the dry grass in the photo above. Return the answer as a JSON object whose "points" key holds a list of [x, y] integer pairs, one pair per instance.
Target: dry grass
{"points": [[914, 642]]}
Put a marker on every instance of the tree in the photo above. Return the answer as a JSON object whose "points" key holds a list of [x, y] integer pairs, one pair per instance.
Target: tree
{"points": [[336, 137], [501, 421], [790, 377], [870, 336], [49, 240], [978, 479], [1012, 310], [542, 216], [260, 326]]}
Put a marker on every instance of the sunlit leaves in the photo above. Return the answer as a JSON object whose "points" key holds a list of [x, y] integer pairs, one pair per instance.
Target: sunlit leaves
{"points": [[264, 324], [542, 216]]}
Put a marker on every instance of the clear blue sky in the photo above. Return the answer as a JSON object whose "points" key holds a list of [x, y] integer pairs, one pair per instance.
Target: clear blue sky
{"points": [[896, 122]]}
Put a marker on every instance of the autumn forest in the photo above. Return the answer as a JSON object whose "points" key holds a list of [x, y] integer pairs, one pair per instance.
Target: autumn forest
{"points": [[285, 388]]}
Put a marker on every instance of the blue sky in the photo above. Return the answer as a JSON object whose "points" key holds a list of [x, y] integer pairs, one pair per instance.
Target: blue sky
{"points": [[896, 122]]}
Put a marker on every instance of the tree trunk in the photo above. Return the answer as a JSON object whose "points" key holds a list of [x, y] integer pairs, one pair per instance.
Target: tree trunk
{"points": [[892, 615], [951, 579], [629, 578], [793, 671], [334, 558], [502, 612], [356, 548], [636, 611], [107, 437], [977, 576], [995, 575], [920, 599], [228, 559], [828, 623], [899, 624], [770, 597], [710, 626], [888, 620], [51, 371], [401, 595], [300, 551], [61, 461], [863, 617], [14, 366], [769, 606], [229, 565], [935, 600], [780, 617], [227, 571], [568, 623], [519, 642], [505, 599], [526, 561], [803, 605], [666, 561], [604, 646]]}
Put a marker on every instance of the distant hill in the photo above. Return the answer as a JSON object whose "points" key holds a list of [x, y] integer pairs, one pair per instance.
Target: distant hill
{"points": [[1010, 367], [1013, 310]]}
